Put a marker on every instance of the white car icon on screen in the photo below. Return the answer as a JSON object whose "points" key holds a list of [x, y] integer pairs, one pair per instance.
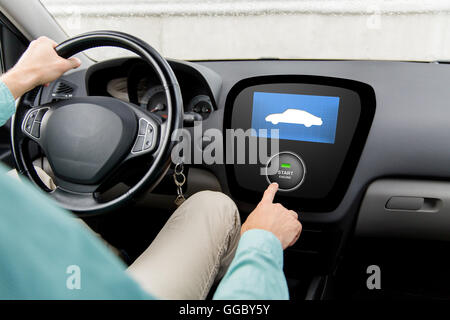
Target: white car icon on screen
{"points": [[295, 116]]}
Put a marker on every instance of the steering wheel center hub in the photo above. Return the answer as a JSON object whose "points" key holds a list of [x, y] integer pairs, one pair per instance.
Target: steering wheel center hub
{"points": [[85, 138]]}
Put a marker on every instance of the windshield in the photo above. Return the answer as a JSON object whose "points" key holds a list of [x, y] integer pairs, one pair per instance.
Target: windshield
{"points": [[254, 29]]}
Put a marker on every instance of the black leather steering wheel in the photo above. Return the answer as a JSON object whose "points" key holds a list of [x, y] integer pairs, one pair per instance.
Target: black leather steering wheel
{"points": [[87, 139]]}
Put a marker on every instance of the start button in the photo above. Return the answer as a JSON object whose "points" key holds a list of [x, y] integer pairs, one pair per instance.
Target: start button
{"points": [[289, 172]]}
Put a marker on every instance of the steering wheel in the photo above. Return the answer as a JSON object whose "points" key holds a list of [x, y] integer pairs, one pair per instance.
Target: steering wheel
{"points": [[88, 139]]}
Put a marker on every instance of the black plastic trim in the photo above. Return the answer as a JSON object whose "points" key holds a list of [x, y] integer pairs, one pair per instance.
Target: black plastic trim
{"points": [[334, 197]]}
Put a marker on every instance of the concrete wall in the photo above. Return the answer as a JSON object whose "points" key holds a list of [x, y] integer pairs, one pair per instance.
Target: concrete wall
{"points": [[241, 29]]}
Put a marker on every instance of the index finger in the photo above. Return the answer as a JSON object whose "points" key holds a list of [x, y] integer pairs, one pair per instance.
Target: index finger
{"points": [[270, 192]]}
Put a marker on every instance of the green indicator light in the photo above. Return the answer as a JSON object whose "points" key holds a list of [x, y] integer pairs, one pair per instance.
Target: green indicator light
{"points": [[285, 165]]}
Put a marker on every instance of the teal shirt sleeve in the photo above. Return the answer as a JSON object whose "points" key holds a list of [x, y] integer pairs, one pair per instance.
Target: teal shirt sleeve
{"points": [[7, 103], [256, 272], [45, 253]]}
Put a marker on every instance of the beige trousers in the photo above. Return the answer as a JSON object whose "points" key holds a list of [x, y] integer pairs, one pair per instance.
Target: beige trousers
{"points": [[192, 250]]}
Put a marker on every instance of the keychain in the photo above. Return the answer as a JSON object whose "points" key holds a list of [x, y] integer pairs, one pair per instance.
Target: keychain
{"points": [[180, 180]]}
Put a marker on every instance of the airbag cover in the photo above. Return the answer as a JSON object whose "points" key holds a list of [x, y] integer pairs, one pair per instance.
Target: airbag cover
{"points": [[85, 139]]}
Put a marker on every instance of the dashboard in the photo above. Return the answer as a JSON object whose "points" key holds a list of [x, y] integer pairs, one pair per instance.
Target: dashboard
{"points": [[322, 124], [346, 128]]}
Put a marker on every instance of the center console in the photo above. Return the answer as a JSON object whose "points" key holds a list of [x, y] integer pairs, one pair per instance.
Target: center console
{"points": [[321, 125]]}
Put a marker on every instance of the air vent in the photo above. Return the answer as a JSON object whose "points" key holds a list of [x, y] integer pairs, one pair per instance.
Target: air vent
{"points": [[31, 96], [62, 90]]}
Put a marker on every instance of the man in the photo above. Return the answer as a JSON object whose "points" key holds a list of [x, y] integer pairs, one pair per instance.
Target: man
{"points": [[47, 254]]}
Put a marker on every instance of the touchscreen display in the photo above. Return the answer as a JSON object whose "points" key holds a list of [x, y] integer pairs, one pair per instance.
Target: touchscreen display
{"points": [[296, 116]]}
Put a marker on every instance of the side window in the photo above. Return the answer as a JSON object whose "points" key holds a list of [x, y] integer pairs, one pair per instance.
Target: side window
{"points": [[12, 45]]}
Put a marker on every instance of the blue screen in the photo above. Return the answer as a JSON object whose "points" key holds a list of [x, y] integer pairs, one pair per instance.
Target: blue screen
{"points": [[296, 116]]}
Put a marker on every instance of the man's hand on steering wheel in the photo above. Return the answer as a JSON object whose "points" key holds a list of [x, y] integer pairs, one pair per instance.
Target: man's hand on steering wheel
{"points": [[39, 65]]}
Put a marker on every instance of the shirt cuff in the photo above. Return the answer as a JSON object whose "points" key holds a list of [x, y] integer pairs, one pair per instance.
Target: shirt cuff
{"points": [[264, 241], [7, 103]]}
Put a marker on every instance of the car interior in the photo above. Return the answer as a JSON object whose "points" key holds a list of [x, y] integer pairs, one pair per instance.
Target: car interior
{"points": [[371, 190]]}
